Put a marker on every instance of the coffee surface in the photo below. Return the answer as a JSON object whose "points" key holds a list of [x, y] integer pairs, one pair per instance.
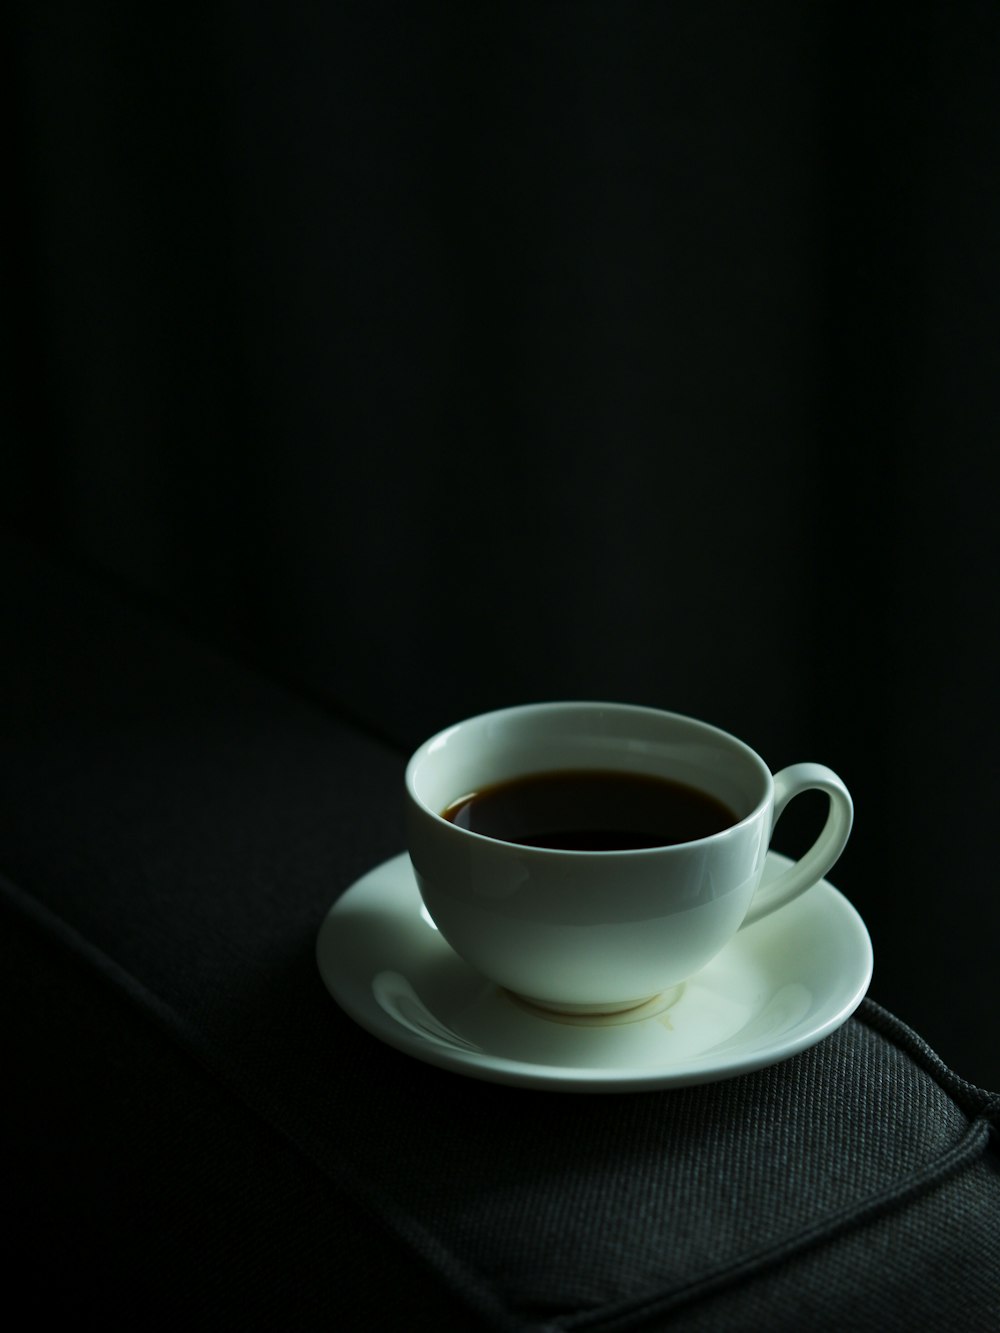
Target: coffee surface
{"points": [[591, 810]]}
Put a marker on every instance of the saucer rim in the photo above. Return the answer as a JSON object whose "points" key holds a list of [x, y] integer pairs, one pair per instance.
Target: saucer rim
{"points": [[693, 1071]]}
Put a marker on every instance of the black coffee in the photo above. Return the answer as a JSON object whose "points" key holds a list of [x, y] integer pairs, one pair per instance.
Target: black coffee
{"points": [[591, 811]]}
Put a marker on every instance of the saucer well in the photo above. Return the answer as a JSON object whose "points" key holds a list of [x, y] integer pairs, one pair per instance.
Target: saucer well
{"points": [[778, 987]]}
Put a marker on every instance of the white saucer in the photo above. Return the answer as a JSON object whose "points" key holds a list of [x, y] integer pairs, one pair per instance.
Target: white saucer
{"points": [[778, 987]]}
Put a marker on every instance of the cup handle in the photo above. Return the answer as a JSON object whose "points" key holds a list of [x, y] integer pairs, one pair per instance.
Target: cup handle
{"points": [[824, 852]]}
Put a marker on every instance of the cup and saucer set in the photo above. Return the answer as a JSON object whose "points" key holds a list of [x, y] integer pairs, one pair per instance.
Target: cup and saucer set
{"points": [[588, 903]]}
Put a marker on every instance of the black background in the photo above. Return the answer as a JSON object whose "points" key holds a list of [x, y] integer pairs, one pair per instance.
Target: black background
{"points": [[438, 358]]}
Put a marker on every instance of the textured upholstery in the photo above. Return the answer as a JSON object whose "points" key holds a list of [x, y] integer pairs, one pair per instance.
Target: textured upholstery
{"points": [[195, 1135]]}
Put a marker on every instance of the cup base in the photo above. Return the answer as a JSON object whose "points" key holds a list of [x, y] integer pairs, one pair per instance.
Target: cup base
{"points": [[601, 1015]]}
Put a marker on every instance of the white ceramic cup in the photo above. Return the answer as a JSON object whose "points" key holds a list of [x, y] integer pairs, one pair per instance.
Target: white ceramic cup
{"points": [[600, 932]]}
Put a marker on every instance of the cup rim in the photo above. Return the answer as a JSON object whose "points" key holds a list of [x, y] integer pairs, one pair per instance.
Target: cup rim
{"points": [[439, 738]]}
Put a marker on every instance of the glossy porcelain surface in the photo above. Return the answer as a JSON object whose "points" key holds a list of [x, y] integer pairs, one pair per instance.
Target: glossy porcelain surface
{"points": [[777, 988], [602, 930]]}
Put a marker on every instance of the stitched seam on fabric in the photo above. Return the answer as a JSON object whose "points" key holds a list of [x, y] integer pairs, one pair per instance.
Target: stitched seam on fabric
{"points": [[971, 1098], [458, 1277], [632, 1314]]}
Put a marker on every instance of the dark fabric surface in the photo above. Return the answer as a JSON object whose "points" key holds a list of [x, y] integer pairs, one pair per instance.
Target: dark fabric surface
{"points": [[182, 1091], [139, 1192], [449, 357]]}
